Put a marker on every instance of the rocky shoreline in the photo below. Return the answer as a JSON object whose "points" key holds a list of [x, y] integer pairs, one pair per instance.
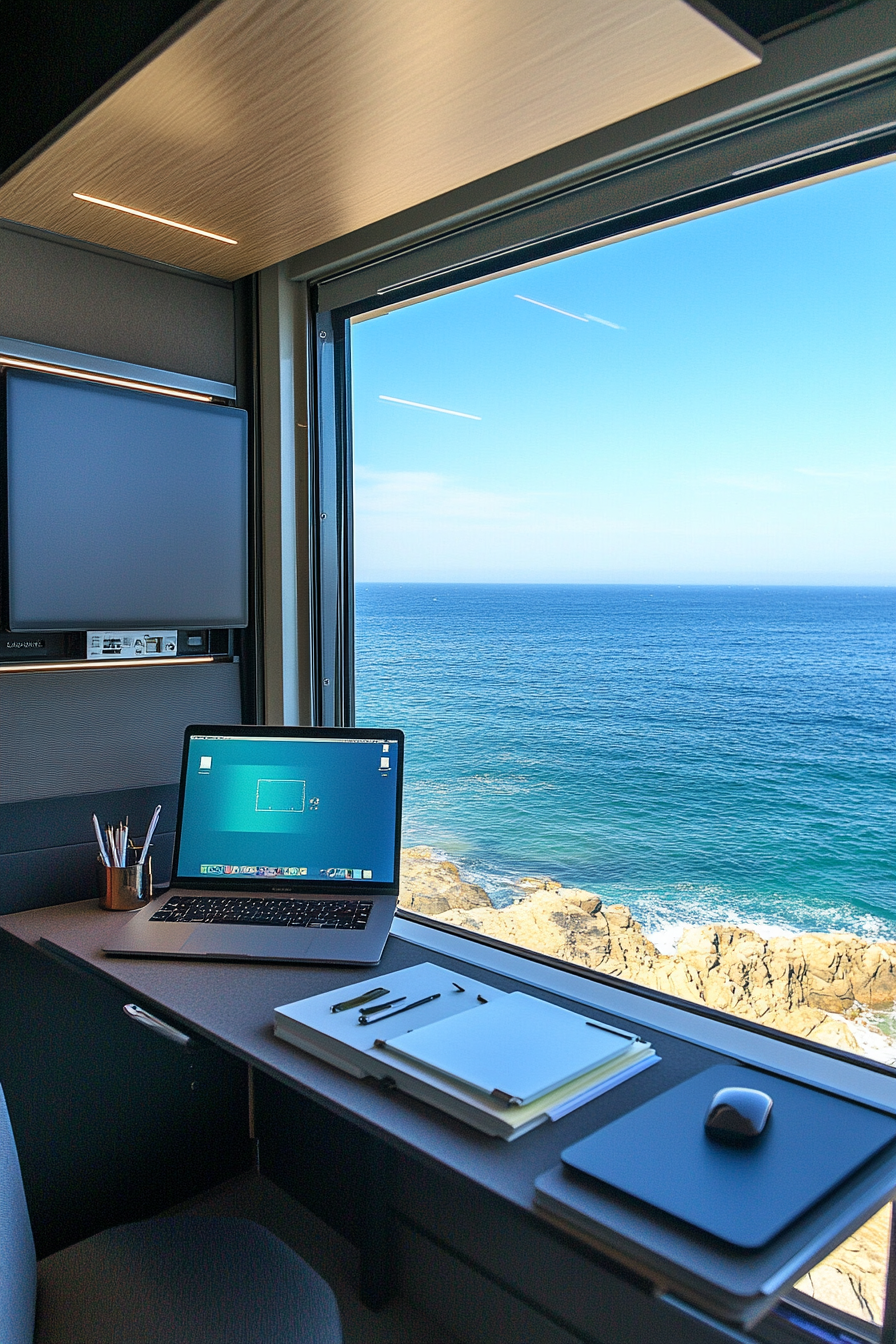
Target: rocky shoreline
{"points": [[815, 985], [819, 986]]}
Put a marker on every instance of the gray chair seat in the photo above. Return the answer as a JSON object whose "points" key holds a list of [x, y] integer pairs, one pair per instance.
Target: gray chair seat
{"points": [[186, 1280]]}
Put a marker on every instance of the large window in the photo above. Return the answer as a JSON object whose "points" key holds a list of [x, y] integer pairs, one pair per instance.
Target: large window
{"points": [[624, 560]]}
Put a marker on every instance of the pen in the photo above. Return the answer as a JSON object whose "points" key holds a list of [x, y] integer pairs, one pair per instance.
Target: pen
{"points": [[602, 1026], [406, 1009], [379, 1008], [99, 837], [151, 831], [355, 1003]]}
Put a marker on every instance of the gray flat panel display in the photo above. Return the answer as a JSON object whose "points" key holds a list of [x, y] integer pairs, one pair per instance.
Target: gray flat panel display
{"points": [[124, 509]]}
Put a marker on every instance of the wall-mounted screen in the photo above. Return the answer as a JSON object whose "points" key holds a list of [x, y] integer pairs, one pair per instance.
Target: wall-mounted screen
{"points": [[124, 508]]}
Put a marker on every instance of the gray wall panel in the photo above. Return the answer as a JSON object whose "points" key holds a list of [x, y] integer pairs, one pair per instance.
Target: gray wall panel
{"points": [[66, 873], [63, 294], [98, 729], [66, 821]]}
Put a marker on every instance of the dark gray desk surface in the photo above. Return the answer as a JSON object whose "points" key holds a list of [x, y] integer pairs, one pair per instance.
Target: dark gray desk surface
{"points": [[232, 1004]]}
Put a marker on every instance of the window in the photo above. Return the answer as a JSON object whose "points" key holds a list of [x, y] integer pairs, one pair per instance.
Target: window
{"points": [[600, 494], [623, 544], [624, 565]]}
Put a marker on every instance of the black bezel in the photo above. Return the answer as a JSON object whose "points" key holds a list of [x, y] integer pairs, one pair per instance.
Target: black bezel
{"points": [[298, 885]]}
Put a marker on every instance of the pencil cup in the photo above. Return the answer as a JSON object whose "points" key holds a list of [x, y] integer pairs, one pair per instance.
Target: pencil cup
{"points": [[124, 888]]}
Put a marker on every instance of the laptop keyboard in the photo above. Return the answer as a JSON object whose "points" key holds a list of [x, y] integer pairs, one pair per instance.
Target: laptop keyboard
{"points": [[264, 910]]}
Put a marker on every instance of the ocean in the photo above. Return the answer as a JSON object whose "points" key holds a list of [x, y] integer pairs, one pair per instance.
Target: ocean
{"points": [[700, 754]]}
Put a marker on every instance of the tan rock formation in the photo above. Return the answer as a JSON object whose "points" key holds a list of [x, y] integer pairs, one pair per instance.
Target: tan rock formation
{"points": [[853, 1277], [434, 886], [795, 984]]}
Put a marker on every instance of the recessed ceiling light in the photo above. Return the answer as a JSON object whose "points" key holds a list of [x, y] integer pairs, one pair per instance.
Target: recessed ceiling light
{"points": [[156, 219]]}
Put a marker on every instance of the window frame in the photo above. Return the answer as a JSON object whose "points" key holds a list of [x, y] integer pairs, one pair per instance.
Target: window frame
{"points": [[335, 354]]}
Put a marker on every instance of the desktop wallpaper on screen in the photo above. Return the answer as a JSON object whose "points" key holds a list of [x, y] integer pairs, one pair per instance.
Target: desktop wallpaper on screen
{"points": [[298, 808]]}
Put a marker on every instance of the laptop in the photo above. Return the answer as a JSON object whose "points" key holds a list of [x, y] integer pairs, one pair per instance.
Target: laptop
{"points": [[287, 848]]}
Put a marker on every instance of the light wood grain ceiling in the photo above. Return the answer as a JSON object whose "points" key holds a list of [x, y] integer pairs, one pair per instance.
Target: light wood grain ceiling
{"points": [[285, 123]]}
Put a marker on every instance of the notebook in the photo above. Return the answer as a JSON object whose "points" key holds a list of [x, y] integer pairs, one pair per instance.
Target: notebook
{"points": [[332, 1026], [287, 848], [660, 1154], [515, 1048]]}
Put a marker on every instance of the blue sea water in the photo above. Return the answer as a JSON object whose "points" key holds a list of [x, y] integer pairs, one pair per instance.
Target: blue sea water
{"points": [[698, 753]]}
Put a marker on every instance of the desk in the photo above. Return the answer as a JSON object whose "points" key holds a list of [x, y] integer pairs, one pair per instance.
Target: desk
{"points": [[477, 1198]]}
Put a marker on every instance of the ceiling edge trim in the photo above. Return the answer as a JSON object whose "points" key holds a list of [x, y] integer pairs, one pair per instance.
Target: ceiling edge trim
{"points": [[101, 250]]}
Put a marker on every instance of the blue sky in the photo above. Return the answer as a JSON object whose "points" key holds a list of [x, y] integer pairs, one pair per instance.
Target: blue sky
{"points": [[734, 425]]}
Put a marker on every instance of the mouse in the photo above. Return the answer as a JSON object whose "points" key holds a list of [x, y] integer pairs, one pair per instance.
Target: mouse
{"points": [[737, 1115]]}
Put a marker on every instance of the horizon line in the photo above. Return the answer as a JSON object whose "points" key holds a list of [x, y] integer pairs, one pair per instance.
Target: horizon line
{"points": [[616, 583]]}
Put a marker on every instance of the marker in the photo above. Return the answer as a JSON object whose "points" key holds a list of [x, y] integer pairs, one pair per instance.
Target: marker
{"points": [[407, 1008], [355, 1003]]}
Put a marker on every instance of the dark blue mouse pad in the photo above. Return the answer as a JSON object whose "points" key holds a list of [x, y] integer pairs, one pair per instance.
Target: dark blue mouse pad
{"points": [[660, 1154]]}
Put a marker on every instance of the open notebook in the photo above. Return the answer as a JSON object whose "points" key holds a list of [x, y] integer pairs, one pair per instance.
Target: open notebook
{"points": [[431, 996], [516, 1048]]}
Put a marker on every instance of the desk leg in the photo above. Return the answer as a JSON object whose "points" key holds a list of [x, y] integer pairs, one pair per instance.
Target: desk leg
{"points": [[377, 1241], [888, 1329]]}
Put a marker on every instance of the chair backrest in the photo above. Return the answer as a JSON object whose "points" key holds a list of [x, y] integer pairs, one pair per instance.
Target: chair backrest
{"points": [[18, 1266]]}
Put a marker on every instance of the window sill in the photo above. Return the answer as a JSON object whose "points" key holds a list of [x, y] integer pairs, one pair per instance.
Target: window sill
{"points": [[807, 1062]]}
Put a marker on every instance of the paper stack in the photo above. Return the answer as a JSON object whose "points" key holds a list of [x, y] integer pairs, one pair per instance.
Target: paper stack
{"points": [[503, 1063]]}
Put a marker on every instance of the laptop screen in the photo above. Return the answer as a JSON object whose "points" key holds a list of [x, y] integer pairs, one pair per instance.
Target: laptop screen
{"points": [[289, 808]]}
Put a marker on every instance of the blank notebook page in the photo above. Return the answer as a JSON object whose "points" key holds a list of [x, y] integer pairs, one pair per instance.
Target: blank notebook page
{"points": [[517, 1046]]}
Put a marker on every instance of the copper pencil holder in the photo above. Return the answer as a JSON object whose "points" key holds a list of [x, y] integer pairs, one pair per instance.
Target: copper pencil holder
{"points": [[124, 888]]}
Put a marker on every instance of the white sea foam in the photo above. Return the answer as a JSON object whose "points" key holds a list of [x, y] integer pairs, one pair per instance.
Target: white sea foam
{"points": [[666, 936], [872, 1040], [665, 913]]}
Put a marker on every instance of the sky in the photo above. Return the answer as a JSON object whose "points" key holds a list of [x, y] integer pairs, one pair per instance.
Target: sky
{"points": [[713, 404]]}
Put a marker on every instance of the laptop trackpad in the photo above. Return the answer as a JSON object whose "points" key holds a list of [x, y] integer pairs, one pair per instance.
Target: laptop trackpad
{"points": [[277, 943]]}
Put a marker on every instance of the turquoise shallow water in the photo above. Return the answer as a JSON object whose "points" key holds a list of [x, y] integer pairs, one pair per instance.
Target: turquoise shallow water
{"points": [[699, 753]]}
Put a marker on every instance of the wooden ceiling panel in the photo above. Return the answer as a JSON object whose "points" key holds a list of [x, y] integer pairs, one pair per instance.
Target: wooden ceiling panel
{"points": [[285, 123]]}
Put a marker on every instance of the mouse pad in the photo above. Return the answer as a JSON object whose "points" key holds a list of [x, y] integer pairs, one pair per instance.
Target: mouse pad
{"points": [[660, 1154]]}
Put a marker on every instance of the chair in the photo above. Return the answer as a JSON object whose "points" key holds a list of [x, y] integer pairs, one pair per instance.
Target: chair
{"points": [[183, 1280]]}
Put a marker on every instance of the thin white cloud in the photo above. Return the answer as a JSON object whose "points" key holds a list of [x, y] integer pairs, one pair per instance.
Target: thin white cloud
{"points": [[878, 477], [422, 406], [550, 307], [763, 484], [604, 323]]}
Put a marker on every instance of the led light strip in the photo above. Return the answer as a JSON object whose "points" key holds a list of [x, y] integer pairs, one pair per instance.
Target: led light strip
{"points": [[11, 361], [156, 219], [85, 666]]}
